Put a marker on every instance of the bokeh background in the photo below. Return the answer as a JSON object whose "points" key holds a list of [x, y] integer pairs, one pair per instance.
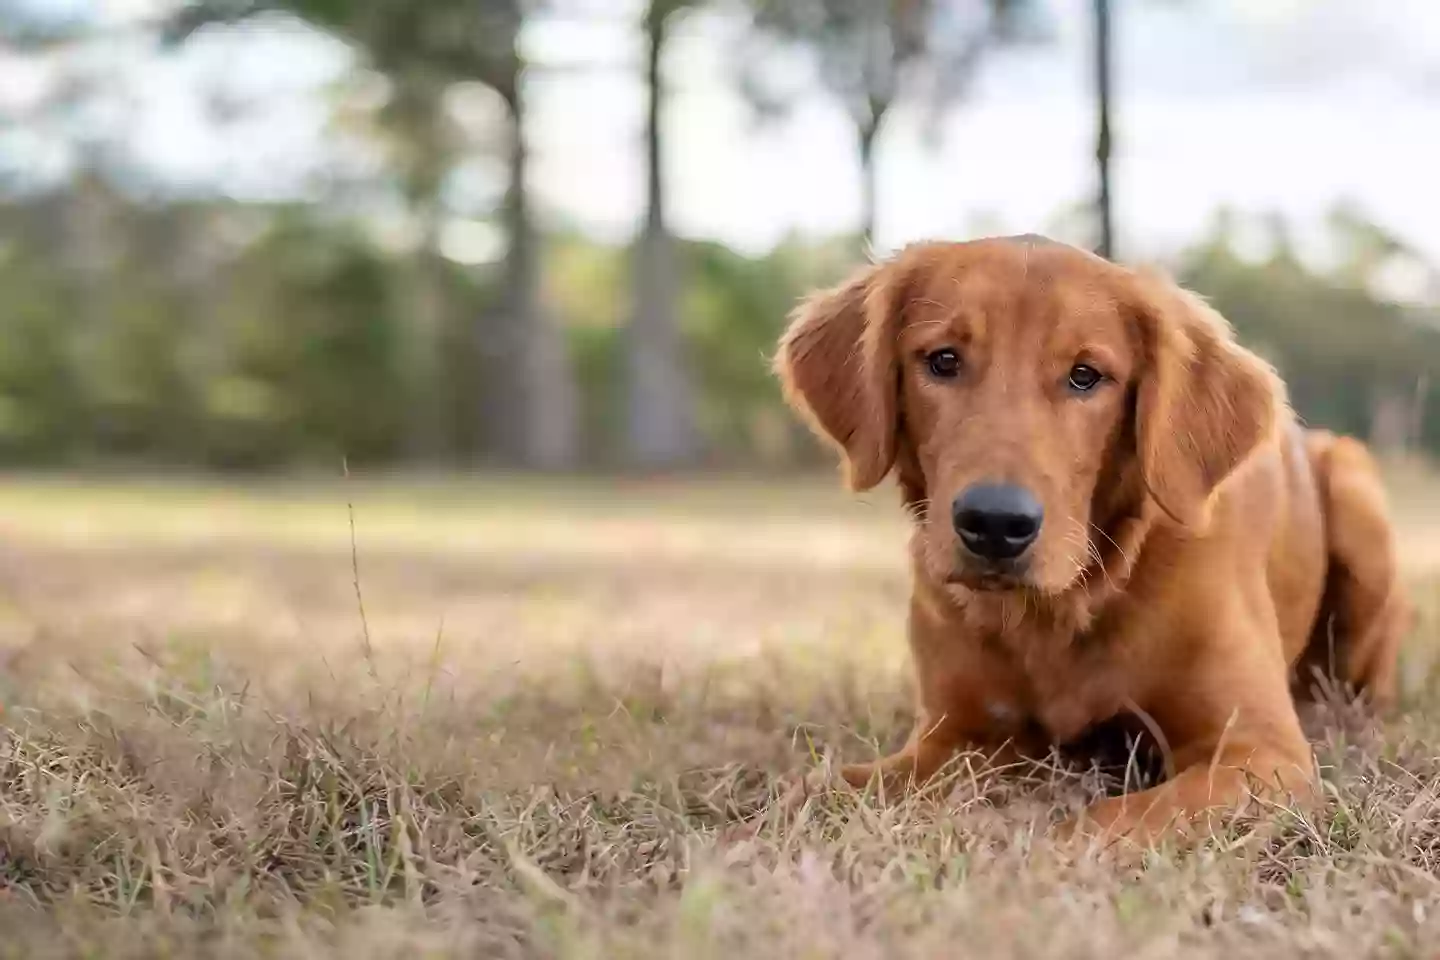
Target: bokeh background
{"points": [[564, 234]]}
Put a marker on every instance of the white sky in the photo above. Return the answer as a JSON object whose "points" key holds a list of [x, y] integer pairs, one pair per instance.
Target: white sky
{"points": [[1288, 105]]}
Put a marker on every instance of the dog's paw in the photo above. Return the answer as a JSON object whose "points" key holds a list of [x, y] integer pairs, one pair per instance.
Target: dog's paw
{"points": [[1111, 831]]}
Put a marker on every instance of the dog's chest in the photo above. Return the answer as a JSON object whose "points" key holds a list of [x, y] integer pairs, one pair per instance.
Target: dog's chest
{"points": [[1070, 684], [1068, 707]]}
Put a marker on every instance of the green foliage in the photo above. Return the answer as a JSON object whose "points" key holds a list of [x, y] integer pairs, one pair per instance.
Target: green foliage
{"points": [[734, 311], [238, 336], [311, 347], [731, 315], [285, 352], [1341, 348], [39, 392], [588, 288]]}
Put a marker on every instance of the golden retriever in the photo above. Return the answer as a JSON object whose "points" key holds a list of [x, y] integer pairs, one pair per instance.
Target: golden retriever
{"points": [[1116, 514]]}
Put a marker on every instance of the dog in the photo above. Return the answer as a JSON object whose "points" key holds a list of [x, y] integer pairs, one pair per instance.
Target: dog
{"points": [[1116, 514]]}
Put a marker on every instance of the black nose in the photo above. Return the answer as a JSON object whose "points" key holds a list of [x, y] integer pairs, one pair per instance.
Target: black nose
{"points": [[997, 521]]}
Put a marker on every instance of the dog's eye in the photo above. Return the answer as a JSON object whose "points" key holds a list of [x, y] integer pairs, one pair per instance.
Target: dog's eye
{"points": [[944, 364], [1084, 378]]}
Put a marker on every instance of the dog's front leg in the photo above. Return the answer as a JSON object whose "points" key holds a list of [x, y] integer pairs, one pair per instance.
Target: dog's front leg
{"points": [[931, 745], [1255, 751]]}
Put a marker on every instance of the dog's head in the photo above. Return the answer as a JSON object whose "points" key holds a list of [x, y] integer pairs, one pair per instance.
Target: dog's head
{"points": [[1029, 395]]}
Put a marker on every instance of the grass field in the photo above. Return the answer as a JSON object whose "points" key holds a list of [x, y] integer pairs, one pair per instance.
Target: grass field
{"points": [[509, 719]]}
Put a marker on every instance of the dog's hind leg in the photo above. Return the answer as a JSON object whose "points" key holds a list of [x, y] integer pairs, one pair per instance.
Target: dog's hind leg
{"points": [[1366, 614]]}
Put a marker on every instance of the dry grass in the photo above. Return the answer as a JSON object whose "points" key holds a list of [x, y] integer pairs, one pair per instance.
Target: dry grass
{"points": [[556, 700]]}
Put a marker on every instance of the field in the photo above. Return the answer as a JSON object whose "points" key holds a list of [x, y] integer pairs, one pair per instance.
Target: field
{"points": [[384, 718]]}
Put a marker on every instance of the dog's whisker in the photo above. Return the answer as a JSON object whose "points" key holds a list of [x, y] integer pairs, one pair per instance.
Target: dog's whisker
{"points": [[1118, 549], [928, 303], [920, 511], [1078, 538]]}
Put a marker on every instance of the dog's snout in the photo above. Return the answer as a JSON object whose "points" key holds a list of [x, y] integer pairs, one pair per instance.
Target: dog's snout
{"points": [[997, 521]]}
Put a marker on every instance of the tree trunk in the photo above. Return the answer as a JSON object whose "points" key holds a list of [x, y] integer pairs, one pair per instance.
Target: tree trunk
{"points": [[869, 186], [1418, 402], [536, 410], [85, 259], [1103, 140], [428, 435], [1390, 420], [662, 430]]}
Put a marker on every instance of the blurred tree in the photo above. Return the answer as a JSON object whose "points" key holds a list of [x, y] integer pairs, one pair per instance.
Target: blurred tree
{"points": [[422, 145], [59, 118], [1104, 201], [872, 54], [1352, 359], [322, 383], [735, 308], [528, 397], [590, 286], [732, 310], [41, 396], [661, 406]]}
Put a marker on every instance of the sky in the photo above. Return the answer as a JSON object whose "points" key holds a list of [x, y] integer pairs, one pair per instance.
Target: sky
{"points": [[1263, 105]]}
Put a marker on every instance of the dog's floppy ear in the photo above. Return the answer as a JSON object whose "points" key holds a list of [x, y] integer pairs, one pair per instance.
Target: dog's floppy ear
{"points": [[836, 363], [1204, 405]]}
